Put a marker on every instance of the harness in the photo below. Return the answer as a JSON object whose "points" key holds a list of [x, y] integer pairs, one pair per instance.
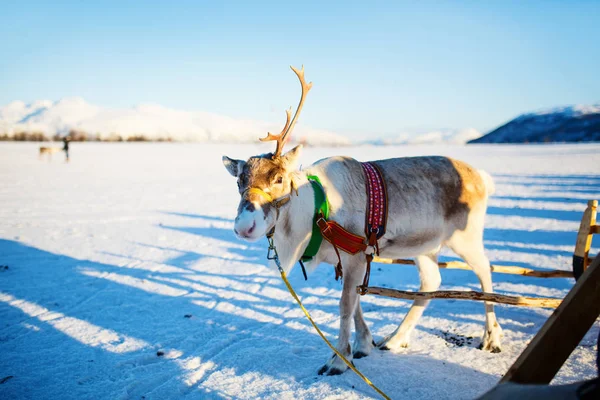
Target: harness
{"points": [[278, 203], [340, 238], [321, 212]]}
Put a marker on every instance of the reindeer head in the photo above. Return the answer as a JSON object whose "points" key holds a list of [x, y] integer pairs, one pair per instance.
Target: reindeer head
{"points": [[266, 182]]}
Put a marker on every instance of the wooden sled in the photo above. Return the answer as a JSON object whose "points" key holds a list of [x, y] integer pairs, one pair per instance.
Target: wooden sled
{"points": [[547, 352]]}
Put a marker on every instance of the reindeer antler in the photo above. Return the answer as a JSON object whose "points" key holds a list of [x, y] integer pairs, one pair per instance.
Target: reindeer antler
{"points": [[281, 138], [270, 136]]}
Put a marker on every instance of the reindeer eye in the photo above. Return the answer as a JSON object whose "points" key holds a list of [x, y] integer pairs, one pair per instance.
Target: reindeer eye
{"points": [[242, 180]]}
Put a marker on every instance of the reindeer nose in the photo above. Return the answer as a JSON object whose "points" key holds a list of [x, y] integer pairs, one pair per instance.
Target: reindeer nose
{"points": [[246, 232]]}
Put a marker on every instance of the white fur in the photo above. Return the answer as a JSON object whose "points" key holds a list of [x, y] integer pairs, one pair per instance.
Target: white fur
{"points": [[247, 220], [489, 182], [414, 213]]}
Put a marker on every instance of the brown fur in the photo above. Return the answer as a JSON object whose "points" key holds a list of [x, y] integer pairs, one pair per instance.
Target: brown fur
{"points": [[49, 150], [262, 172]]}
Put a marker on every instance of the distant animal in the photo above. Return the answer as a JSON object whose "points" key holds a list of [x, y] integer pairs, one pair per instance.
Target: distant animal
{"points": [[49, 151], [432, 202]]}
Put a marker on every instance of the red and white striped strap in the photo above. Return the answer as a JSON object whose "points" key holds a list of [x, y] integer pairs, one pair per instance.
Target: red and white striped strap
{"points": [[377, 207]]}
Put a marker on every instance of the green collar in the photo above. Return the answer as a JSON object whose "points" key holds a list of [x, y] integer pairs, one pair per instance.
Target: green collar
{"points": [[321, 208]]}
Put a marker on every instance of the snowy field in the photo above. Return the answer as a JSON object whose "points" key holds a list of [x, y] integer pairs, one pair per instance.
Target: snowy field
{"points": [[125, 280]]}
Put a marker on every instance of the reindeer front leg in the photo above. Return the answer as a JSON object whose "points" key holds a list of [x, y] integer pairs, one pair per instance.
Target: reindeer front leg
{"points": [[353, 276], [363, 340]]}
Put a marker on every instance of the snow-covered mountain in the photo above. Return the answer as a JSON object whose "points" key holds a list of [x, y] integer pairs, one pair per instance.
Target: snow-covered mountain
{"points": [[157, 122], [579, 123], [445, 136], [149, 120]]}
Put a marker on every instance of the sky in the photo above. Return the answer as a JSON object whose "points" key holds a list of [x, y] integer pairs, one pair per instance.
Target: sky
{"points": [[379, 68]]}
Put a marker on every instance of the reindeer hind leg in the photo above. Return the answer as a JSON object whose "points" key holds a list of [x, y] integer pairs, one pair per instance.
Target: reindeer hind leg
{"points": [[468, 245], [429, 273]]}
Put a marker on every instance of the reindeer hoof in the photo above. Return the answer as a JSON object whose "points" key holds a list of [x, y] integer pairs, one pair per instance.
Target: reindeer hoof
{"points": [[491, 348], [335, 366], [334, 371], [394, 347], [363, 348], [323, 369], [326, 370]]}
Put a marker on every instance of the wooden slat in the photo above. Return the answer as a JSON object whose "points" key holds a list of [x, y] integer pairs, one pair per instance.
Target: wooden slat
{"points": [[463, 295], [584, 237], [595, 229], [502, 269], [562, 332]]}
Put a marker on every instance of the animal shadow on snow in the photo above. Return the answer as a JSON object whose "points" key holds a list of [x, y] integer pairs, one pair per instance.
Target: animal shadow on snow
{"points": [[567, 189], [532, 248], [226, 320]]}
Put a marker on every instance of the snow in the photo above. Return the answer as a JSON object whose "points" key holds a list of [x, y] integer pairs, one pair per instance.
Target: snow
{"points": [[441, 136], [151, 120], [125, 279], [158, 122], [461, 136], [580, 123], [568, 111]]}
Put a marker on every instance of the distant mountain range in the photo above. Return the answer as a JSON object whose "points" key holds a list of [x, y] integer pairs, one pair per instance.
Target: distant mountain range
{"points": [[151, 121], [155, 122], [564, 124], [445, 136]]}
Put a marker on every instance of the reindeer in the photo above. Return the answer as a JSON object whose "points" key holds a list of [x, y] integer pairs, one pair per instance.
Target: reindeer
{"points": [[433, 202], [49, 151]]}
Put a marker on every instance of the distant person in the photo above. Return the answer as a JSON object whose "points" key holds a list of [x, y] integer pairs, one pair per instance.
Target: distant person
{"points": [[66, 141]]}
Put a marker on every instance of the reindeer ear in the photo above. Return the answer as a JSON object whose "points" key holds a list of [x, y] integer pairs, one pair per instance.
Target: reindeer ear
{"points": [[290, 159], [233, 166]]}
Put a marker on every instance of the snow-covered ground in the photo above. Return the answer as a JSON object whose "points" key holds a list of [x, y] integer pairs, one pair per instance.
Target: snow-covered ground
{"points": [[125, 280]]}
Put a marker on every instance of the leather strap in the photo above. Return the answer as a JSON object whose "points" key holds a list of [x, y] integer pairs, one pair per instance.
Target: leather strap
{"points": [[335, 234], [377, 202], [376, 215], [340, 238]]}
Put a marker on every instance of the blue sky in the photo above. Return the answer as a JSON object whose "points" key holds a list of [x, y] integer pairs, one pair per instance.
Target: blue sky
{"points": [[379, 67]]}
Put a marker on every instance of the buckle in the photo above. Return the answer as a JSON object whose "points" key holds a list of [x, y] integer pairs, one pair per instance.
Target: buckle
{"points": [[322, 224]]}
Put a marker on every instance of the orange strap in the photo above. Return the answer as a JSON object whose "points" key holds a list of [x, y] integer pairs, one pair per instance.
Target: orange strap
{"points": [[375, 224], [335, 234]]}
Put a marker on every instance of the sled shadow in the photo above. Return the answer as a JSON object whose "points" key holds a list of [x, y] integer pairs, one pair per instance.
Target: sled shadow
{"points": [[576, 184], [566, 199], [535, 213], [583, 179]]}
